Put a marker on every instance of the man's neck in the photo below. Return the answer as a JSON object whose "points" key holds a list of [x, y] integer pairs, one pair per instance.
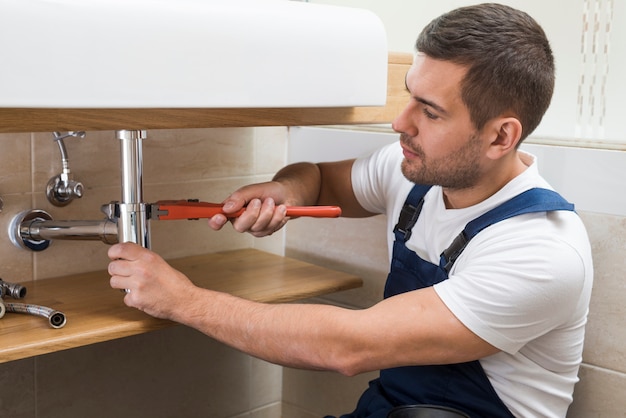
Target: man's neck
{"points": [[491, 182]]}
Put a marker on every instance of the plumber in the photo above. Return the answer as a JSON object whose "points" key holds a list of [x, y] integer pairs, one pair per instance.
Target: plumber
{"points": [[487, 297]]}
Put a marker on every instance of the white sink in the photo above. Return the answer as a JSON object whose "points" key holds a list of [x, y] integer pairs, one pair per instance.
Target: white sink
{"points": [[189, 54]]}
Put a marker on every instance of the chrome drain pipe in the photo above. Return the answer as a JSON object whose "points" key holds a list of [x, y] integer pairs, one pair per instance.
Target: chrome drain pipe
{"points": [[33, 230], [105, 230], [127, 220], [132, 223]]}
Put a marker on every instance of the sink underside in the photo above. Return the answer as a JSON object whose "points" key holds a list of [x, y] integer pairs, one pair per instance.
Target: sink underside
{"points": [[189, 54]]}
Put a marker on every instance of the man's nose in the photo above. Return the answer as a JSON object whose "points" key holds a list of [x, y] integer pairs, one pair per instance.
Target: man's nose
{"points": [[403, 123]]}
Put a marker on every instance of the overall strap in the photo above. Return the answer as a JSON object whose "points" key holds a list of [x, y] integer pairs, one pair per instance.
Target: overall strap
{"points": [[530, 201], [410, 212]]}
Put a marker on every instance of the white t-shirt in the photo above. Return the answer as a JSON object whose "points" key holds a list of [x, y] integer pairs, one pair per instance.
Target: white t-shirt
{"points": [[522, 284]]}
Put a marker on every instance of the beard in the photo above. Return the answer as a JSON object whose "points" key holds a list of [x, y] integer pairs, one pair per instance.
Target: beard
{"points": [[456, 170]]}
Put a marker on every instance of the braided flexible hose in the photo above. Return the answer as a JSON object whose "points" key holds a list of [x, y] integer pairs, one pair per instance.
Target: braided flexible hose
{"points": [[55, 318]]}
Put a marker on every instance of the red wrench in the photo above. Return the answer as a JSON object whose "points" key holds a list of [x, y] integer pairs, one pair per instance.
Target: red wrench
{"points": [[184, 209]]}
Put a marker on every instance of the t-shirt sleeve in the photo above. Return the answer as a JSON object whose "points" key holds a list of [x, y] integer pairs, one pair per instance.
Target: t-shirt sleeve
{"points": [[507, 283], [371, 178]]}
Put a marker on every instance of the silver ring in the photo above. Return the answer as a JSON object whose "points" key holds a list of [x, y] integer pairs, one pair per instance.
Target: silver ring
{"points": [[127, 291]]}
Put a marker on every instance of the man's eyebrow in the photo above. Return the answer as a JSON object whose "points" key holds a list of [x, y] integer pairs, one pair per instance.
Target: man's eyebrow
{"points": [[424, 101], [432, 104]]}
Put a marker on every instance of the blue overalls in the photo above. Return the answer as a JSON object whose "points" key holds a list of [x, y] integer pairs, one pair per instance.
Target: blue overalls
{"points": [[463, 386]]}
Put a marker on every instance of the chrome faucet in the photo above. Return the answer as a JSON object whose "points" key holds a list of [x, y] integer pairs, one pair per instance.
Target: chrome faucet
{"points": [[62, 189]]}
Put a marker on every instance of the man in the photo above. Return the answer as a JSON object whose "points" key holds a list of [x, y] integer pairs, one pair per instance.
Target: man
{"points": [[487, 297]]}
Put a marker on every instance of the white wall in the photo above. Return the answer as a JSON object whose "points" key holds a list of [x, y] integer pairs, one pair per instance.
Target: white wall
{"points": [[590, 57]]}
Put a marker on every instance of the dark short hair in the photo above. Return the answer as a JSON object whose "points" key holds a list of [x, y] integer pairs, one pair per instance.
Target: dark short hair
{"points": [[508, 56]]}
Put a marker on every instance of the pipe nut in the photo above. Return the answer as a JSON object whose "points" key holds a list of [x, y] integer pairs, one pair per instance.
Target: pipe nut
{"points": [[19, 229]]}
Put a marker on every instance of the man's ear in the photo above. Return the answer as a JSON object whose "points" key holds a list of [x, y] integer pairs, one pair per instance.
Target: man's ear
{"points": [[506, 133]]}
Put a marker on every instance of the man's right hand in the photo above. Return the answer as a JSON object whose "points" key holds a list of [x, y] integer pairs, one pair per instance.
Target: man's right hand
{"points": [[299, 184], [265, 211]]}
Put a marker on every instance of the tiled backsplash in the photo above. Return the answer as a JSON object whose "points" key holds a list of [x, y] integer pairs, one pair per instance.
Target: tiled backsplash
{"points": [[162, 374]]}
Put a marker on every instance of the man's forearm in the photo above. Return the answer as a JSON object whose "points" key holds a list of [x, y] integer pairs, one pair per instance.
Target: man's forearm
{"points": [[327, 183], [302, 183], [283, 334]]}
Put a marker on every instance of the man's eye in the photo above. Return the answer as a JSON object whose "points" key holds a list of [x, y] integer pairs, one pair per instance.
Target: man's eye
{"points": [[428, 114]]}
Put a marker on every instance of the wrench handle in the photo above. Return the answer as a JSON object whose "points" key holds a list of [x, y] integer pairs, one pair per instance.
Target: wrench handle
{"points": [[183, 209], [314, 211]]}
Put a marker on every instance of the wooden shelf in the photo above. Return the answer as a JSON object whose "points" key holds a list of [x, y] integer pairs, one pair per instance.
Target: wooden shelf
{"points": [[96, 313], [14, 120]]}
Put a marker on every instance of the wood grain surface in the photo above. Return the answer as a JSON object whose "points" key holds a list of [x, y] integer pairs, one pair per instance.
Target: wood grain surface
{"points": [[95, 312]]}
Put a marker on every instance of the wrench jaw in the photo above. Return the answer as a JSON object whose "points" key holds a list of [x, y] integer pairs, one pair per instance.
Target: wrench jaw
{"points": [[190, 209], [155, 213]]}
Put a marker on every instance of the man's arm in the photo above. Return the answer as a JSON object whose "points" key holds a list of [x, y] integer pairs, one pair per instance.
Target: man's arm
{"points": [[408, 329], [336, 189], [300, 184]]}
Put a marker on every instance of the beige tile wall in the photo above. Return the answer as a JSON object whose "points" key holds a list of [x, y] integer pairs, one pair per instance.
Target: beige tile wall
{"points": [[356, 246], [169, 373], [600, 392]]}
